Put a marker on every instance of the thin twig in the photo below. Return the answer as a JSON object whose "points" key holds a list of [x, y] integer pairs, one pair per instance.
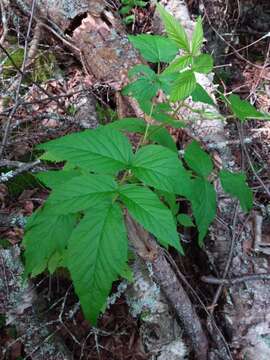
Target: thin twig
{"points": [[241, 135], [233, 281], [20, 168], [12, 164], [44, 100], [194, 293], [4, 21], [235, 51], [228, 263], [21, 76], [50, 96], [251, 44]]}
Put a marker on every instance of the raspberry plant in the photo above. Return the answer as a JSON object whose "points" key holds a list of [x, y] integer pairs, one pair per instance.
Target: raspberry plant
{"points": [[81, 225]]}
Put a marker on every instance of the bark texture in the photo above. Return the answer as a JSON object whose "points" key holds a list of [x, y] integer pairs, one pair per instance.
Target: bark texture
{"points": [[148, 250], [19, 303]]}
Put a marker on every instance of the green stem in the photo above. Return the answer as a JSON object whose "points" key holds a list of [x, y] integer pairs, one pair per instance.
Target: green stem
{"points": [[177, 109]]}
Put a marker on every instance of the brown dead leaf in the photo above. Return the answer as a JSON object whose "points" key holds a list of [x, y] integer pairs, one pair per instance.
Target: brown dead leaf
{"points": [[50, 123]]}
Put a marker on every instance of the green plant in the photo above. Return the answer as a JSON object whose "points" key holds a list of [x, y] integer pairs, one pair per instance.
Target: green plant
{"points": [[128, 6], [81, 226]]}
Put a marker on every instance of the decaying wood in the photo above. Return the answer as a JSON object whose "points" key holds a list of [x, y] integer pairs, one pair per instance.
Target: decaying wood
{"points": [[146, 247], [99, 41], [160, 332], [19, 304]]}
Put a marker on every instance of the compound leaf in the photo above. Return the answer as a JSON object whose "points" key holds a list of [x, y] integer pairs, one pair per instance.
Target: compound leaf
{"points": [[203, 202], [174, 29], [162, 137], [97, 255], [129, 124], [198, 160], [144, 88], [81, 193], [178, 64], [54, 178], [235, 184], [141, 70], [244, 110], [203, 63], [45, 234], [154, 48], [103, 150], [183, 86], [200, 95], [146, 208], [197, 37], [157, 166]]}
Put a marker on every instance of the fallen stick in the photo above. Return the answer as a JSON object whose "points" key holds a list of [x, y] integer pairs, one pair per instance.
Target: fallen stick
{"points": [[233, 281], [148, 250]]}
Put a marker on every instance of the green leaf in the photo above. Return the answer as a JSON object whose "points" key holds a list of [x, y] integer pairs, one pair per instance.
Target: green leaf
{"points": [[203, 203], [97, 255], [55, 262], [174, 29], [129, 124], [197, 37], [198, 160], [48, 156], [200, 95], [159, 113], [141, 70], [103, 150], [185, 220], [46, 234], [125, 10], [81, 193], [54, 178], [140, 3], [168, 120], [178, 64], [235, 184], [170, 200], [157, 166], [162, 137], [166, 81], [183, 86], [244, 110], [154, 48], [143, 88], [203, 63], [127, 273], [146, 208]]}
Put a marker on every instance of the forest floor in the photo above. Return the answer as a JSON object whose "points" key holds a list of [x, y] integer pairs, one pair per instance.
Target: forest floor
{"points": [[47, 115]]}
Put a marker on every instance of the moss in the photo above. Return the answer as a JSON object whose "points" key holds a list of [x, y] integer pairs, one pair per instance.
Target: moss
{"points": [[45, 67], [4, 244], [8, 67]]}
